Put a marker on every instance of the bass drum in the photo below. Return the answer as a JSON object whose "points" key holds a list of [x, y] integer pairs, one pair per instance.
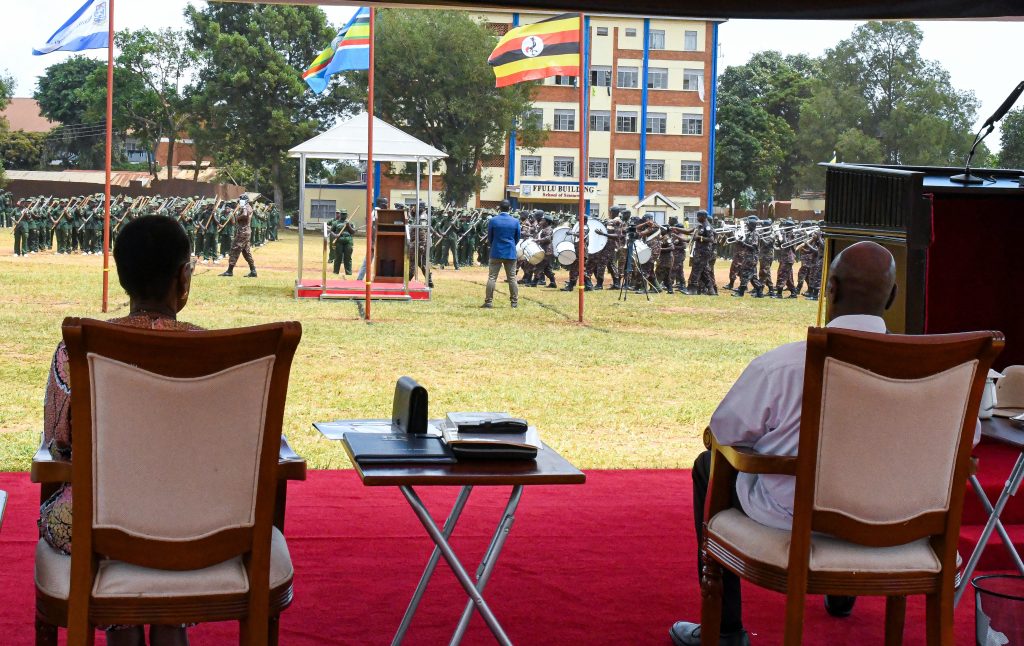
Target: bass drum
{"points": [[520, 254], [596, 233], [559, 235], [641, 253], [531, 251], [565, 251]]}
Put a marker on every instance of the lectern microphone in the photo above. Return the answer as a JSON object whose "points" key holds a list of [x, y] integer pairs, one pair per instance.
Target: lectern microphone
{"points": [[986, 129]]}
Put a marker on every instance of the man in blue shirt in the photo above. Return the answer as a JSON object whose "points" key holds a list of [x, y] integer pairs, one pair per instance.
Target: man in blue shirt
{"points": [[503, 233]]}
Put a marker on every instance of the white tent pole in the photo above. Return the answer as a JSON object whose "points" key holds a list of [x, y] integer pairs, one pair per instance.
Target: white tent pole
{"points": [[430, 216], [302, 207], [416, 221]]}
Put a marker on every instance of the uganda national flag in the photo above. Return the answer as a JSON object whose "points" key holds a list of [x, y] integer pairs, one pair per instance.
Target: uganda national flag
{"points": [[546, 48]]}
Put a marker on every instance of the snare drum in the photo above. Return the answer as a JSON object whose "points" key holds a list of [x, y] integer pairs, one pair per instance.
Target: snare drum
{"points": [[642, 253], [566, 252]]}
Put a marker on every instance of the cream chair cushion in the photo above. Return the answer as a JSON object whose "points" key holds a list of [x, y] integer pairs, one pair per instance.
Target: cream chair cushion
{"points": [[828, 554], [117, 579]]}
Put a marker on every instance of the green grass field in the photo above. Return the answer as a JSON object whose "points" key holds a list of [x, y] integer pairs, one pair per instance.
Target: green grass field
{"points": [[633, 388]]}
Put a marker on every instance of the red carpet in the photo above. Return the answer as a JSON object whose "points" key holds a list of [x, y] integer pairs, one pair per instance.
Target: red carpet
{"points": [[995, 461], [608, 562]]}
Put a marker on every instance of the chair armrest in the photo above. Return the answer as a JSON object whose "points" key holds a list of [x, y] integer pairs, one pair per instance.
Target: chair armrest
{"points": [[290, 465], [48, 470], [747, 460]]}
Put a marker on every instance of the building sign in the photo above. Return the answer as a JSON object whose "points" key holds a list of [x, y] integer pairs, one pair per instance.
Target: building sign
{"points": [[555, 191]]}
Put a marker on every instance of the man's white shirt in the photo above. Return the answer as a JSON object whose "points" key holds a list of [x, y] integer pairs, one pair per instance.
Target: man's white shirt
{"points": [[762, 412]]}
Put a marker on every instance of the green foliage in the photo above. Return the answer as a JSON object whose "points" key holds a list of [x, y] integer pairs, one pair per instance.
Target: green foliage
{"points": [[249, 95], [875, 85], [768, 93], [6, 91], [1011, 153], [22, 150], [445, 95], [149, 97], [64, 94]]}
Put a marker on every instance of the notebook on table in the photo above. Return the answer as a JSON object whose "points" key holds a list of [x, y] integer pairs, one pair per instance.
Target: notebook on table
{"points": [[398, 448]]}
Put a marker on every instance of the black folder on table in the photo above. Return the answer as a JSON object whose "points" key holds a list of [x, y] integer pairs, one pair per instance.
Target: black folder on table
{"points": [[398, 448]]}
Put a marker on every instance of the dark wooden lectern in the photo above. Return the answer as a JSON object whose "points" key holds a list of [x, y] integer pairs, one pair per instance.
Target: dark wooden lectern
{"points": [[390, 246], [959, 249]]}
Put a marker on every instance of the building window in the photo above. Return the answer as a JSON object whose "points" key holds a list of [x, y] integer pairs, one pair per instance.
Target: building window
{"points": [[322, 209], [529, 166], [690, 41], [565, 80], [690, 213], [602, 31], [600, 121], [598, 168], [654, 169], [657, 40], [625, 121], [565, 120], [692, 79], [628, 77], [625, 169], [534, 118], [600, 76], [657, 78], [693, 124], [564, 167], [630, 32], [656, 123], [659, 216], [689, 172]]}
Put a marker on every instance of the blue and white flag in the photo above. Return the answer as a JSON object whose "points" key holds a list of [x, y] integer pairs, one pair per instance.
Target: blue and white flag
{"points": [[87, 29]]}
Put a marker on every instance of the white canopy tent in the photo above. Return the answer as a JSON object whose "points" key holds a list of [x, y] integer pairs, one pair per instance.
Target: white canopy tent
{"points": [[348, 141]]}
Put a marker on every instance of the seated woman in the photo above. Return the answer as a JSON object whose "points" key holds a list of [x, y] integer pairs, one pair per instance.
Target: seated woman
{"points": [[154, 266]]}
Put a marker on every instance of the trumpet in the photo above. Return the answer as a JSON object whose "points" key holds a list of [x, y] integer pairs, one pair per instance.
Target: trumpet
{"points": [[801, 237]]}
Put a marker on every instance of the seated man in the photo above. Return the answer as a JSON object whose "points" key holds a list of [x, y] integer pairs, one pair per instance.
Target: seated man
{"points": [[762, 411]]}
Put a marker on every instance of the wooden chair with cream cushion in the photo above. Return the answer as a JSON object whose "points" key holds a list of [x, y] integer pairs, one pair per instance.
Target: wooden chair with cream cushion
{"points": [[885, 438], [176, 438]]}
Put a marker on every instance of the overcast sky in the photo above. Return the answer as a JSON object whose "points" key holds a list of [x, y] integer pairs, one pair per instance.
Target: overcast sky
{"points": [[980, 56]]}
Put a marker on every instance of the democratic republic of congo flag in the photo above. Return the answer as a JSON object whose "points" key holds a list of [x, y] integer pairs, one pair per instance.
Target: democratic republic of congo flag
{"points": [[546, 48], [350, 50]]}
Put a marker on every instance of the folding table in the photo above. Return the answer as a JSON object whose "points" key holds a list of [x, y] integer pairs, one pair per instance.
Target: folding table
{"points": [[1001, 430], [549, 468]]}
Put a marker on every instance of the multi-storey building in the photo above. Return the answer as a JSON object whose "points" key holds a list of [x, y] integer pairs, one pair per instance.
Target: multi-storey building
{"points": [[650, 105]]}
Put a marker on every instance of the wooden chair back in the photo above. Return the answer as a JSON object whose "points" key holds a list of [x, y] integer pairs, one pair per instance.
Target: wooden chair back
{"points": [[157, 415], [886, 434]]}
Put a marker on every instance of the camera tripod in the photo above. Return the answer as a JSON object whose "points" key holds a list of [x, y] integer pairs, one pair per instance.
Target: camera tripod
{"points": [[631, 268]]}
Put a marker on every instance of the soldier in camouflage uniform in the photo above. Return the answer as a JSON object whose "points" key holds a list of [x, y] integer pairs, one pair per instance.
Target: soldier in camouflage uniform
{"points": [[528, 227], [748, 267], [6, 204], [648, 232], [666, 259], [243, 239], [21, 228], [450, 242], [702, 276], [787, 258], [344, 243], [817, 264], [544, 269], [226, 234], [765, 256], [808, 252]]}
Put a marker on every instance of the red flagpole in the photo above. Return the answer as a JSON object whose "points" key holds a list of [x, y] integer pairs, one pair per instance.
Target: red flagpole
{"points": [[369, 172], [581, 250], [110, 138]]}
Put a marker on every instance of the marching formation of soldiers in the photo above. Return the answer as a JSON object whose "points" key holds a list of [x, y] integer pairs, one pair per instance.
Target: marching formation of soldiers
{"points": [[75, 225], [641, 255]]}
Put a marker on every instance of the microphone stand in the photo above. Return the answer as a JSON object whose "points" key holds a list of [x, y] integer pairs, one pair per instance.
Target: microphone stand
{"points": [[986, 129], [966, 177]]}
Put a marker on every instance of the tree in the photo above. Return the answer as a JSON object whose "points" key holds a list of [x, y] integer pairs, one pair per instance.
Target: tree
{"points": [[748, 152], [6, 92], [1011, 155], [149, 88], [22, 150], [779, 86], [63, 96], [249, 93], [445, 96], [876, 83]]}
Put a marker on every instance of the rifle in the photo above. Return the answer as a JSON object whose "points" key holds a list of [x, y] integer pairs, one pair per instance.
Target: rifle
{"points": [[213, 212], [231, 217]]}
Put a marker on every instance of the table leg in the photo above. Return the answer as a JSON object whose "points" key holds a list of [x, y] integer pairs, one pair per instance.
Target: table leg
{"points": [[1003, 535], [453, 562], [435, 556], [483, 573], [1012, 484]]}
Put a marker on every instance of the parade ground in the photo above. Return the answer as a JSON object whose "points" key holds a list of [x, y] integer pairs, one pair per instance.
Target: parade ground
{"points": [[632, 388]]}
